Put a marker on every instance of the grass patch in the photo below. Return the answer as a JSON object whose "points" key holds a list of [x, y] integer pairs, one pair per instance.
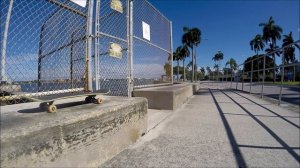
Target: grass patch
{"points": [[285, 83]]}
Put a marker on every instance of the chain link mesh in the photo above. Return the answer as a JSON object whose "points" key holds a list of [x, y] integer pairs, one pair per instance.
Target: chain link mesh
{"points": [[45, 51], [152, 61], [112, 28]]}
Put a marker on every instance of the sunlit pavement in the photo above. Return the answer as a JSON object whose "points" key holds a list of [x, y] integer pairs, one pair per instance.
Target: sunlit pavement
{"points": [[290, 94], [219, 128]]}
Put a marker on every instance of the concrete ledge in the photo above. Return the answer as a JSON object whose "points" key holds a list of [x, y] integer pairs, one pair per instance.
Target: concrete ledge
{"points": [[78, 136], [167, 97]]}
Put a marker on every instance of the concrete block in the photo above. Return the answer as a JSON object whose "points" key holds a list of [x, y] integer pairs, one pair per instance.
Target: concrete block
{"points": [[86, 135], [166, 97]]}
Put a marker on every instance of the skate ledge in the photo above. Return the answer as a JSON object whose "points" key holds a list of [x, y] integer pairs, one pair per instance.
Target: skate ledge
{"points": [[76, 136], [167, 97]]}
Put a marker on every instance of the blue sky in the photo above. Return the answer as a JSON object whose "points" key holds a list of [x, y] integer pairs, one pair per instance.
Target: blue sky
{"points": [[228, 25]]}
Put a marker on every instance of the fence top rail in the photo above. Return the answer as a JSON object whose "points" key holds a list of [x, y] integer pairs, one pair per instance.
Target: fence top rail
{"points": [[67, 7], [157, 11]]}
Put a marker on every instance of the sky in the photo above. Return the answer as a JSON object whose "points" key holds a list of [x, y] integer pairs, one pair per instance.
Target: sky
{"points": [[228, 25]]}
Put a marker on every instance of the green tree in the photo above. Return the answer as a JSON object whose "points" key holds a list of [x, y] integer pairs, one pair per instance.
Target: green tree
{"points": [[257, 64], [233, 65], [271, 33], [257, 44], [184, 53], [192, 38], [217, 58], [289, 48], [177, 57], [208, 71], [202, 69], [289, 51], [168, 68]]}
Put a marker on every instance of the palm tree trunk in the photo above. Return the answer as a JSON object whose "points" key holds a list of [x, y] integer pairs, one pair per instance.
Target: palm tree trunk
{"points": [[183, 70], [231, 78], [274, 68], [219, 71], [193, 64], [294, 73], [177, 70], [274, 59]]}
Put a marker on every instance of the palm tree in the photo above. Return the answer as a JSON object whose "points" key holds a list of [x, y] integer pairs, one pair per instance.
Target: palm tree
{"points": [[217, 58], [257, 44], [289, 51], [184, 53], [271, 33], [208, 71], [189, 65], [202, 69], [233, 66], [192, 38], [177, 57]]}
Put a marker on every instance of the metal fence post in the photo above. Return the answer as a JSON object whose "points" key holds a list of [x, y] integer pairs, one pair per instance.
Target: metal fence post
{"points": [[226, 73], [130, 46], [282, 78], [40, 59], [4, 42], [243, 77], [264, 75], [231, 79], [171, 43], [251, 78], [96, 58], [89, 84], [236, 79]]}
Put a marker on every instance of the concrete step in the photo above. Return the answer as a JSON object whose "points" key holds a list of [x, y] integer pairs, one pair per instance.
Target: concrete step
{"points": [[167, 97]]}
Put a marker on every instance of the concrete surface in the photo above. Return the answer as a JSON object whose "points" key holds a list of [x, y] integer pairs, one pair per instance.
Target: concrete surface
{"points": [[80, 135], [290, 94], [166, 97], [219, 128]]}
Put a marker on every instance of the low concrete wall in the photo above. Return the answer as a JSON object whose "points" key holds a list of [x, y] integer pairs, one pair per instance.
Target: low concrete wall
{"points": [[167, 97], [10, 88], [79, 136]]}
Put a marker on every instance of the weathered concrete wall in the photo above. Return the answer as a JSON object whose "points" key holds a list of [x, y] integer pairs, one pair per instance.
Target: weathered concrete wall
{"points": [[10, 88], [77, 136], [167, 97]]}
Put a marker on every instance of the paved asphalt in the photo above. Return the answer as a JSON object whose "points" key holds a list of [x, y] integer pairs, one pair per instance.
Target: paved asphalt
{"points": [[219, 128]]}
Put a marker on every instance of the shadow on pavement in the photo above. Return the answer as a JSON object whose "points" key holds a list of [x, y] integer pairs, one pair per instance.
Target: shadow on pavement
{"points": [[297, 126], [272, 133], [235, 148]]}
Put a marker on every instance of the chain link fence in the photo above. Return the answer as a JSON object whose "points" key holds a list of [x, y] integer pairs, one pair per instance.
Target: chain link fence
{"points": [[111, 29], [152, 47], [42, 48], [69, 47]]}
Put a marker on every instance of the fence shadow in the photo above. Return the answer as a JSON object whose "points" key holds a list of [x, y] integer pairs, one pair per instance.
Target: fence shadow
{"points": [[235, 148], [273, 112], [270, 131]]}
